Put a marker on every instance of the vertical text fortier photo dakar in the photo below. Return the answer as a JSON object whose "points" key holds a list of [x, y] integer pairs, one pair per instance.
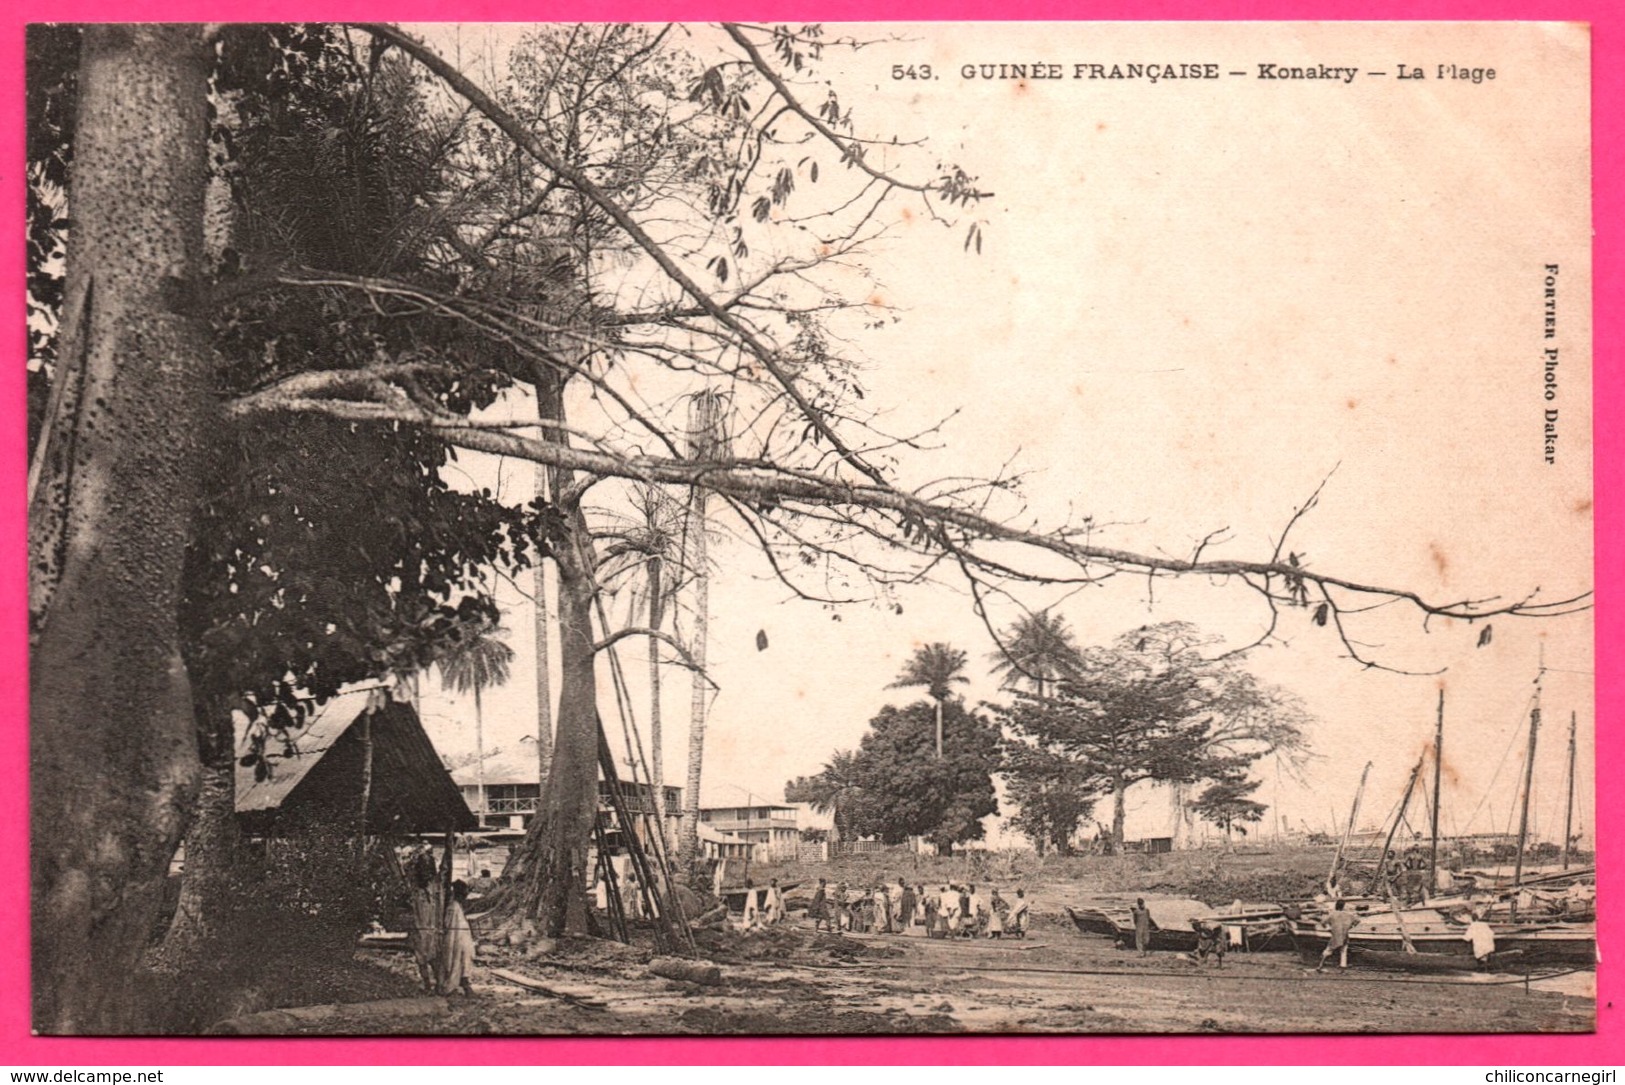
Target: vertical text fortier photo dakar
{"points": [[876, 528]]}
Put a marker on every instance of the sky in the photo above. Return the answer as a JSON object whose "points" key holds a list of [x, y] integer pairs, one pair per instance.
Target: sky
{"points": [[1195, 302]]}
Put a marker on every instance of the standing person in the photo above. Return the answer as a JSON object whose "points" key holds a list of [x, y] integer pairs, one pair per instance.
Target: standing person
{"points": [[996, 909], [843, 914], [1142, 926], [1340, 922], [933, 917], [1018, 915], [427, 898], [882, 910], [775, 902], [905, 908], [457, 953], [967, 912], [751, 911], [818, 909]]}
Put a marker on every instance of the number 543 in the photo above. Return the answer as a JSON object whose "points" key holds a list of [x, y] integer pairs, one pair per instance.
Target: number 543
{"points": [[911, 71]]}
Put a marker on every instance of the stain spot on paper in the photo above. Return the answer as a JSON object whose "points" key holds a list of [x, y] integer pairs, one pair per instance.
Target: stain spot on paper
{"points": [[1440, 561]]}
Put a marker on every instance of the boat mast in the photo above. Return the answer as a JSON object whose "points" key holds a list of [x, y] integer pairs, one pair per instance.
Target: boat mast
{"points": [[1528, 785], [1438, 769], [1404, 804], [1354, 812], [1568, 805]]}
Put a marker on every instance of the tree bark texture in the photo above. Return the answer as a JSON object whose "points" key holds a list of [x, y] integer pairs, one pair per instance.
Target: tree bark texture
{"points": [[114, 759], [570, 803], [657, 767], [705, 442], [211, 842], [1119, 813], [548, 407]]}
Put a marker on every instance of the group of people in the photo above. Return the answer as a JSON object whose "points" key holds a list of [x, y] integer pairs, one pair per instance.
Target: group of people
{"points": [[947, 911], [441, 937]]}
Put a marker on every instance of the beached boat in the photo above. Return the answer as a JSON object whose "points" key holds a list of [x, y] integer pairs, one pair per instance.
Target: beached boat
{"points": [[1251, 927], [1431, 941], [1532, 918]]}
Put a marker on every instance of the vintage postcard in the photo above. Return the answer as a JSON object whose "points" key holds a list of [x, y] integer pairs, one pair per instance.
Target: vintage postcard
{"points": [[737, 529]]}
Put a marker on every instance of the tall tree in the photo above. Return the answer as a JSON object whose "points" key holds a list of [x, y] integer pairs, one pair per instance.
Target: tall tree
{"points": [[1037, 648], [707, 442], [1053, 793], [937, 667], [1227, 803], [109, 521], [650, 541], [835, 790], [910, 792], [476, 660], [1149, 706], [726, 145]]}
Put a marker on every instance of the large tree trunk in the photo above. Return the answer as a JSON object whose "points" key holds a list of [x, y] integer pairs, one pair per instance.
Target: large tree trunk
{"points": [[114, 759], [211, 843], [563, 827], [1119, 813], [548, 405]]}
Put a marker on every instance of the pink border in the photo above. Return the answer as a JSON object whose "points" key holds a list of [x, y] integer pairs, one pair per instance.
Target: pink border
{"points": [[1605, 1046]]}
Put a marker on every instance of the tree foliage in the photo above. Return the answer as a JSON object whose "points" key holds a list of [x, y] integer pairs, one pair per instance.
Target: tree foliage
{"points": [[1039, 649], [936, 667], [836, 789], [1055, 794], [1151, 706], [1226, 803], [909, 791]]}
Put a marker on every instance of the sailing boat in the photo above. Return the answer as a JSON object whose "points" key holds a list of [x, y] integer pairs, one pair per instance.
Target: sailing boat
{"points": [[1543, 920]]}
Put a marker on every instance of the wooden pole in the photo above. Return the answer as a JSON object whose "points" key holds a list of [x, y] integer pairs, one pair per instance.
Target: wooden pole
{"points": [[1568, 804], [1528, 786], [1438, 770], [1399, 816], [1354, 812]]}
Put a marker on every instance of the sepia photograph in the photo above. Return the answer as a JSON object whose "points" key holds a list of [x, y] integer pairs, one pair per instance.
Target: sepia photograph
{"points": [[742, 529]]}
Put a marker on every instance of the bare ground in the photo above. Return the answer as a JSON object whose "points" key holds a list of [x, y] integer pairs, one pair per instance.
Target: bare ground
{"points": [[791, 981], [1058, 981]]}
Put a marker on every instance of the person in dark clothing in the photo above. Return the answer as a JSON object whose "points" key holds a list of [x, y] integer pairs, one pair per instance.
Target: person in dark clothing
{"points": [[819, 910], [905, 909], [1211, 940]]}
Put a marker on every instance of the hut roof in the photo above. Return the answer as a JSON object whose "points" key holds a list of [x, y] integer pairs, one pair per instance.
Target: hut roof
{"points": [[319, 772]]}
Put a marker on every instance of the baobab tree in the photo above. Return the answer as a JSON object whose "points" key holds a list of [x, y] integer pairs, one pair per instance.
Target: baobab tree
{"points": [[135, 391]]}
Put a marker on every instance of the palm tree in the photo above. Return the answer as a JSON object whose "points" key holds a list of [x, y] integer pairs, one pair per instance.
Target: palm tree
{"points": [[835, 790], [1037, 647], [653, 543], [707, 441], [477, 660], [936, 667]]}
